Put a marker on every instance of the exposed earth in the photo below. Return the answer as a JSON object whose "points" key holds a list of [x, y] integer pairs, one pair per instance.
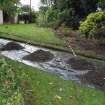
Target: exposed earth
{"points": [[84, 70], [80, 64], [95, 78], [39, 56], [11, 46]]}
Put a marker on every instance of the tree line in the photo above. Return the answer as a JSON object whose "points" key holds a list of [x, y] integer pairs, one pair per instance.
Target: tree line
{"points": [[85, 15]]}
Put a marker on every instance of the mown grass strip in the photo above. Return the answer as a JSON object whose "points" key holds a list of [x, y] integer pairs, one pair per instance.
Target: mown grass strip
{"points": [[49, 89]]}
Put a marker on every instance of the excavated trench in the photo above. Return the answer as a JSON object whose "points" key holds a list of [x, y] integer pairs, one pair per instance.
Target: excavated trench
{"points": [[82, 70]]}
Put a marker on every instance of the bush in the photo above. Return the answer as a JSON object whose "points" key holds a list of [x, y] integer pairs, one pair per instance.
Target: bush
{"points": [[47, 18], [93, 22], [68, 17]]}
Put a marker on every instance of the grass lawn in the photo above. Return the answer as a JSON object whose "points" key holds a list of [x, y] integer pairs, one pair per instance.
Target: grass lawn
{"points": [[21, 83], [40, 88], [44, 37], [31, 33]]}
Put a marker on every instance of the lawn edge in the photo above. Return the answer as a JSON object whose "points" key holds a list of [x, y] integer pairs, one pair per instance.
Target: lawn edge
{"points": [[53, 47]]}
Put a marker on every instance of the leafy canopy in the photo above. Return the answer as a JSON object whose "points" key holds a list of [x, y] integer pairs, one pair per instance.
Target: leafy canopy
{"points": [[9, 6]]}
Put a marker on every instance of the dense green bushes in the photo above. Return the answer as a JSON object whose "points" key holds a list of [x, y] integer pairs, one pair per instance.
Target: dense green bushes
{"points": [[93, 26], [68, 12], [68, 17], [52, 17]]}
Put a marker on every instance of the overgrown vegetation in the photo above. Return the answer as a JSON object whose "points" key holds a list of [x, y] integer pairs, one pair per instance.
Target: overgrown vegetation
{"points": [[68, 12]]}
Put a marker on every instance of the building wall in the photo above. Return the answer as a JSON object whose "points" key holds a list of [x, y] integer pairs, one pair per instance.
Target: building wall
{"points": [[1, 17], [16, 19]]}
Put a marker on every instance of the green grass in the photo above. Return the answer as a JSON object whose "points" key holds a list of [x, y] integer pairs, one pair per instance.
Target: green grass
{"points": [[42, 88], [30, 32], [44, 37], [48, 89]]}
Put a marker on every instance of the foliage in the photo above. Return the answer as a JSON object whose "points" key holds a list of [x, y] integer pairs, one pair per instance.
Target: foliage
{"points": [[47, 2], [68, 17], [93, 22], [9, 6], [70, 12], [25, 8], [27, 14], [101, 4], [47, 17]]}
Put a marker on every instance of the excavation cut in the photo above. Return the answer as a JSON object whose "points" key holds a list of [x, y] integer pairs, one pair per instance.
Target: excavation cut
{"points": [[11, 46], [80, 64], [83, 70], [39, 56]]}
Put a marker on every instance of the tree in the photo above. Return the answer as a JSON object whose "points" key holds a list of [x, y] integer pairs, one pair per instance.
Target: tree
{"points": [[9, 6], [72, 11], [101, 4], [25, 8], [47, 2], [27, 15]]}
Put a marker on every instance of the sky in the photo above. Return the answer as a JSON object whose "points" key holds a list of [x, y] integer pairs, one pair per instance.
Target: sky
{"points": [[35, 3]]}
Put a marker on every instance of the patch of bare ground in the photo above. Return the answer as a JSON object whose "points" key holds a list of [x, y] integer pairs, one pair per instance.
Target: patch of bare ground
{"points": [[11, 46], [39, 56], [96, 78], [80, 64], [95, 75], [81, 44]]}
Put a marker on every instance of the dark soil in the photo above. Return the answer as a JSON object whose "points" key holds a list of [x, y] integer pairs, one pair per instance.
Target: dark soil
{"points": [[39, 56], [11, 46], [100, 48], [96, 78], [80, 64], [85, 44]]}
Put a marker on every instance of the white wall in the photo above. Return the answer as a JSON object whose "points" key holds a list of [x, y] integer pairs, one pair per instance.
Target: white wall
{"points": [[1, 17], [16, 19]]}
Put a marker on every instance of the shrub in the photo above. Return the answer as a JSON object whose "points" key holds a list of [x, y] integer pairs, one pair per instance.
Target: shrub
{"points": [[47, 18], [93, 22], [68, 17]]}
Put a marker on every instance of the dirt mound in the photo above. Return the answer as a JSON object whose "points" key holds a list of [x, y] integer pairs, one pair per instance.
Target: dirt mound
{"points": [[96, 78], [80, 64], [39, 56], [11, 46]]}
